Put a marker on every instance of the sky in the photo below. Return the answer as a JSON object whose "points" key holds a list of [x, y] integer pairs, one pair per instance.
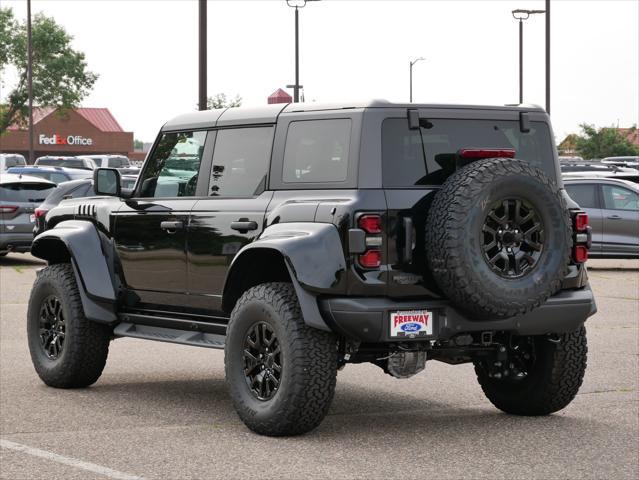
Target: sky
{"points": [[145, 53]]}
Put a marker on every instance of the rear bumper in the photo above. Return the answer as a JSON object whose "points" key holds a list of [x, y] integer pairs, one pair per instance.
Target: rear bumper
{"points": [[367, 318], [15, 242]]}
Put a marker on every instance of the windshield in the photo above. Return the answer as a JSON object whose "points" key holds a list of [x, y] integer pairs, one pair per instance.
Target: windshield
{"points": [[428, 155]]}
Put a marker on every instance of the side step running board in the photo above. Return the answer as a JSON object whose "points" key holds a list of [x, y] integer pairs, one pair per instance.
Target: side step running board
{"points": [[171, 335]]}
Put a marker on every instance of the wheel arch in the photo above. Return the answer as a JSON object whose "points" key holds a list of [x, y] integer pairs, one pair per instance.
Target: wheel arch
{"points": [[309, 255], [79, 243]]}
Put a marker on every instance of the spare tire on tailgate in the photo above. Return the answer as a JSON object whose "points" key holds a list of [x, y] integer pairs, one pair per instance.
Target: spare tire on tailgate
{"points": [[498, 238]]}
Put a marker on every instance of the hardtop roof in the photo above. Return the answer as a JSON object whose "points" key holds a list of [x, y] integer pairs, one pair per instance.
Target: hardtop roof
{"points": [[265, 114]]}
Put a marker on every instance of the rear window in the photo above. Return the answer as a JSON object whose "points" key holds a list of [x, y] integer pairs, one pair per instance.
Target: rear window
{"points": [[584, 194], [25, 192], [14, 161], [70, 163], [427, 156], [118, 162], [317, 151]]}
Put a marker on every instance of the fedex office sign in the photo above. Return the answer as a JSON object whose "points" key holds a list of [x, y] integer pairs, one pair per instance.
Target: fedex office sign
{"points": [[56, 139]]}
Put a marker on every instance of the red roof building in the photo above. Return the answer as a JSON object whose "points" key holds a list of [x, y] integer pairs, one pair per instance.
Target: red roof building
{"points": [[279, 96], [73, 132]]}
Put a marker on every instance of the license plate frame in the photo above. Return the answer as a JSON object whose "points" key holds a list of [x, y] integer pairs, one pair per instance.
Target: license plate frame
{"points": [[410, 324]]}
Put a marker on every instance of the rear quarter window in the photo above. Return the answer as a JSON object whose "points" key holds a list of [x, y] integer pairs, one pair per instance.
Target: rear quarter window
{"points": [[317, 151]]}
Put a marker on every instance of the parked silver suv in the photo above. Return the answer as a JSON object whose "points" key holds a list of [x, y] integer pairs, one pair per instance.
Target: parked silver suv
{"points": [[19, 197]]}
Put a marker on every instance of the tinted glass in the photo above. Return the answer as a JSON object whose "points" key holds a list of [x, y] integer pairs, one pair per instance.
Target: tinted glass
{"points": [[427, 156], [118, 162], [240, 161], [71, 189], [71, 163], [619, 198], [584, 195], [25, 192], [173, 168], [317, 151]]}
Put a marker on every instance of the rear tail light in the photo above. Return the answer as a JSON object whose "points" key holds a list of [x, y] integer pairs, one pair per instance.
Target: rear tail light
{"points": [[40, 212], [486, 153], [582, 237], [370, 223], [371, 259], [372, 226], [580, 254], [8, 208], [581, 222]]}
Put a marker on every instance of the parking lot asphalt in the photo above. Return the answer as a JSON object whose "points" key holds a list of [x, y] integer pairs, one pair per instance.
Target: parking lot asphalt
{"points": [[162, 411]]}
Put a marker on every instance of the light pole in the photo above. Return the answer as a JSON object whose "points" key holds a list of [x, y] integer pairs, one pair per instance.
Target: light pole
{"points": [[522, 15], [297, 4], [30, 80], [202, 56], [413, 62]]}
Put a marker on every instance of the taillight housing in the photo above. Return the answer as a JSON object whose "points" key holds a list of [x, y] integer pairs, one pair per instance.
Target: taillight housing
{"points": [[371, 259], [371, 224], [8, 208], [581, 222], [40, 212], [582, 237]]}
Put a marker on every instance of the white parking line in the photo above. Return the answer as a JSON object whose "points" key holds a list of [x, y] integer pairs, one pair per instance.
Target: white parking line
{"points": [[90, 467]]}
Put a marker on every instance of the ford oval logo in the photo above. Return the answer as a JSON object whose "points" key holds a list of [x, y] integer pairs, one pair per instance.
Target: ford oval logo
{"points": [[411, 327]]}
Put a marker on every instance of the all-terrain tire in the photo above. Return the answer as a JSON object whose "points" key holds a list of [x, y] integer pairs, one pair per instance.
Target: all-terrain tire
{"points": [[455, 236], [86, 344], [308, 363], [560, 364]]}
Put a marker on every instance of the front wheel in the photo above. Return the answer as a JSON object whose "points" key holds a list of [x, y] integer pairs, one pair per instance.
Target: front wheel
{"points": [[281, 373], [540, 375], [67, 350]]}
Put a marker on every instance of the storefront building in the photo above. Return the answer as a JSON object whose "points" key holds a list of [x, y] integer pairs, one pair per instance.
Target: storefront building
{"points": [[81, 131]]}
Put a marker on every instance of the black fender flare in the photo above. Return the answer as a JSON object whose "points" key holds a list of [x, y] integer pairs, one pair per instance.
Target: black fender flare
{"points": [[314, 257], [85, 251]]}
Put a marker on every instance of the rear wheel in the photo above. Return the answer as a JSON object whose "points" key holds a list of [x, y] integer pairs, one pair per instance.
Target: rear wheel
{"points": [[67, 350], [281, 373], [541, 375]]}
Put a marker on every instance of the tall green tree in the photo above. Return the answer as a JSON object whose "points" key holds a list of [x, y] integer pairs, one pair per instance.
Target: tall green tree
{"points": [[60, 75], [604, 142], [219, 100]]}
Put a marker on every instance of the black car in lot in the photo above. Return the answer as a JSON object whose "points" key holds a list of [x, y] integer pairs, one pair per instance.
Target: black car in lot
{"points": [[300, 238], [64, 191], [612, 206]]}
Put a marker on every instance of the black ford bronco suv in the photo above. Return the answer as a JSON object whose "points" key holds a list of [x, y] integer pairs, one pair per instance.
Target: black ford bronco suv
{"points": [[299, 238]]}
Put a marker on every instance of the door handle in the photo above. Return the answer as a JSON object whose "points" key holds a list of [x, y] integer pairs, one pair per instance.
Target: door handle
{"points": [[614, 217], [172, 226], [244, 226]]}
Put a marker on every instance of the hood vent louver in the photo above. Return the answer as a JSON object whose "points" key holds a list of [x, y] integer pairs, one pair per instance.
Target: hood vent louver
{"points": [[86, 210]]}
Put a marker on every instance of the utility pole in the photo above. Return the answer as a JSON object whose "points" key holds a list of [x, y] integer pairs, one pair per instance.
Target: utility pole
{"points": [[202, 100], [30, 80], [412, 62], [297, 4], [522, 15], [548, 57]]}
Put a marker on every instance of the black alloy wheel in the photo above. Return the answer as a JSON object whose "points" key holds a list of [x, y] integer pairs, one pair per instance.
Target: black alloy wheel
{"points": [[262, 361], [52, 327], [513, 238]]}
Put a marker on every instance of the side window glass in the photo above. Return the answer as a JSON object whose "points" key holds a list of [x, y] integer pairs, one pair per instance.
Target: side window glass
{"points": [[172, 170], [317, 151], [584, 195], [618, 198], [240, 161]]}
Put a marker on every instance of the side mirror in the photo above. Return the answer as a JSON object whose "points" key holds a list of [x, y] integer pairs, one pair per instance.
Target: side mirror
{"points": [[106, 181]]}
